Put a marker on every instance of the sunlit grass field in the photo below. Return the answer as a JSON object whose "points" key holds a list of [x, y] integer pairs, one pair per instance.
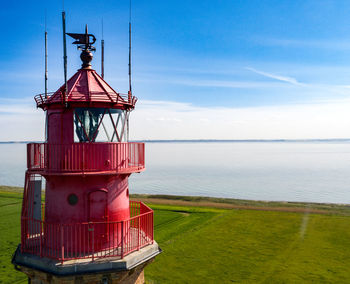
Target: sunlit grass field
{"points": [[204, 244], [10, 209]]}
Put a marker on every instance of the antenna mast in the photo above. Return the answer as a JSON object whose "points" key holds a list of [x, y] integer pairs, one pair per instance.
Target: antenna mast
{"points": [[45, 59], [102, 54], [130, 47], [64, 53], [129, 93]]}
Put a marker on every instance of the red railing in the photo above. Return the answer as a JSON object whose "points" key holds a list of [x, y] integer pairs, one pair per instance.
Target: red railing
{"points": [[101, 97], [89, 240], [86, 157]]}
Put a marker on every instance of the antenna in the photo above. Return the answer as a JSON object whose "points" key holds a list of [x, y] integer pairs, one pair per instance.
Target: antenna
{"points": [[130, 46], [129, 93], [45, 59], [64, 53], [45, 133], [102, 55]]}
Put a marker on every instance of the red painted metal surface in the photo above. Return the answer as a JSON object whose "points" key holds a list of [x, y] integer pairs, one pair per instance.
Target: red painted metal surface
{"points": [[86, 158], [83, 240], [98, 238], [84, 88]]}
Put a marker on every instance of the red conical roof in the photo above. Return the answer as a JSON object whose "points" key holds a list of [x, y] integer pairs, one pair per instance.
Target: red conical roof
{"points": [[87, 88]]}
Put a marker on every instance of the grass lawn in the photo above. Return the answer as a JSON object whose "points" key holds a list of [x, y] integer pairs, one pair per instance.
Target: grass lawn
{"points": [[204, 244], [10, 209], [251, 247]]}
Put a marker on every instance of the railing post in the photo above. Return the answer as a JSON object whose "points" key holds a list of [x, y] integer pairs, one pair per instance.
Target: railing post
{"points": [[47, 159], [62, 243], [152, 227], [28, 156], [22, 234], [122, 244], [138, 232], [93, 242], [41, 239]]}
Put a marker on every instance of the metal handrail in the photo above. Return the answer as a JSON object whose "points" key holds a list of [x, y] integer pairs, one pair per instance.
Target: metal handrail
{"points": [[58, 241], [86, 157], [116, 98]]}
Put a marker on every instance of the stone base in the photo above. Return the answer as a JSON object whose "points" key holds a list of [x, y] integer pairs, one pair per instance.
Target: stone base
{"points": [[133, 276], [128, 270]]}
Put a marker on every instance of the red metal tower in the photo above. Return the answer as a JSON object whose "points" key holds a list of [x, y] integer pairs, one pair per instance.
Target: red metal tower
{"points": [[85, 162]]}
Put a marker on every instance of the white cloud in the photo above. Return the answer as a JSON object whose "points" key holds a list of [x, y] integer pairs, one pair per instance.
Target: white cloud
{"points": [[22, 126], [176, 120], [20, 120], [233, 84], [274, 76], [328, 119]]}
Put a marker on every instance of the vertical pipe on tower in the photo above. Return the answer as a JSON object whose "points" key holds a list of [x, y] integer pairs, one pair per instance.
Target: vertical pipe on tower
{"points": [[64, 53], [45, 78], [102, 55], [130, 56], [45, 64], [129, 93], [102, 58]]}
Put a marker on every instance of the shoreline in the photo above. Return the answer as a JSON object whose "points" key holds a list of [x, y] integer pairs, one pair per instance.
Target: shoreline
{"points": [[281, 140], [228, 203], [241, 204]]}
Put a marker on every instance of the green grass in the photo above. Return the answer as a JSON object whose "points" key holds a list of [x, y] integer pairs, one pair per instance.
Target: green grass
{"points": [[10, 208], [248, 246], [211, 245]]}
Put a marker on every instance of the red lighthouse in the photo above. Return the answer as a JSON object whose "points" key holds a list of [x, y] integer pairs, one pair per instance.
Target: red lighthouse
{"points": [[77, 221]]}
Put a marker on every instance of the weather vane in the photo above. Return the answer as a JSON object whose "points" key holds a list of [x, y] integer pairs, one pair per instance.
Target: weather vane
{"points": [[84, 43]]}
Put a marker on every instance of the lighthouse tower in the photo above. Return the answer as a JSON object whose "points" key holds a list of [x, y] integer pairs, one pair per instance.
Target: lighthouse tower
{"points": [[78, 224]]}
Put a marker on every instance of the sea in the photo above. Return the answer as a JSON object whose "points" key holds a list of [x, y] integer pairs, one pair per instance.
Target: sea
{"points": [[307, 171]]}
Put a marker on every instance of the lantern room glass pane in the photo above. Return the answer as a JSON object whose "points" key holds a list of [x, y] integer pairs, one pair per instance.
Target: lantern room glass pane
{"points": [[100, 125], [86, 122]]}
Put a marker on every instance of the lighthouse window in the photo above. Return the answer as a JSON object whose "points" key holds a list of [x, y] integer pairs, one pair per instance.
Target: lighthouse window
{"points": [[87, 122], [100, 125], [72, 199]]}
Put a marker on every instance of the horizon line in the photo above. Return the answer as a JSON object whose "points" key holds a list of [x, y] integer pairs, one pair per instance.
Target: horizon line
{"points": [[209, 140]]}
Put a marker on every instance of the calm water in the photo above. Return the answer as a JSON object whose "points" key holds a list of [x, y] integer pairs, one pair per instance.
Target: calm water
{"points": [[310, 171]]}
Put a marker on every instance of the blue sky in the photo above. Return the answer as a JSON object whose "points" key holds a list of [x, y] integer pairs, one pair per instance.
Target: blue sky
{"points": [[201, 69]]}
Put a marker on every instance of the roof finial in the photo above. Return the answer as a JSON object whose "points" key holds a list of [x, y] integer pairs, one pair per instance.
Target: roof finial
{"points": [[84, 42]]}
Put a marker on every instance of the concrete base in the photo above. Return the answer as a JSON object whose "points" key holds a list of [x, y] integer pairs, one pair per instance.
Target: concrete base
{"points": [[106, 270], [133, 276]]}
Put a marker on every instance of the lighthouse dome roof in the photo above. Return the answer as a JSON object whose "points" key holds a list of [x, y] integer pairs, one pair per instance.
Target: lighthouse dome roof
{"points": [[86, 88]]}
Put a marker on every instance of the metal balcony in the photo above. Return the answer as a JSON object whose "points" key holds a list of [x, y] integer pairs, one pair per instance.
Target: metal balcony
{"points": [[86, 158], [88, 240]]}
